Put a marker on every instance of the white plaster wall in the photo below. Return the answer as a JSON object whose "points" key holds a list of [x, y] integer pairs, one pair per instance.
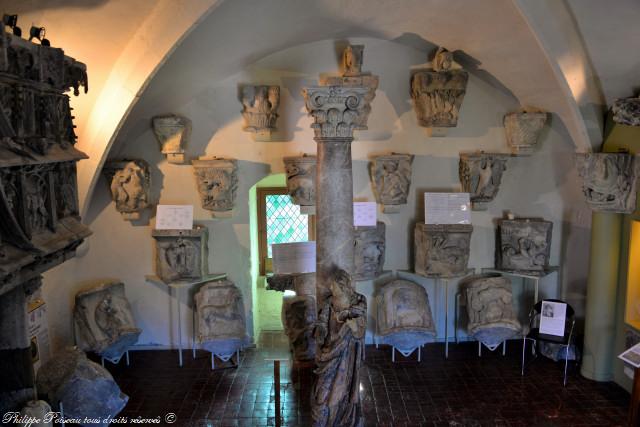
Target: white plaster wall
{"points": [[544, 185]]}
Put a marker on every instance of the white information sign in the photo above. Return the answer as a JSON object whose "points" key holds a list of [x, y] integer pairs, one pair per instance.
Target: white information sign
{"points": [[364, 214], [632, 356], [447, 208], [38, 333], [552, 318], [174, 217], [290, 258]]}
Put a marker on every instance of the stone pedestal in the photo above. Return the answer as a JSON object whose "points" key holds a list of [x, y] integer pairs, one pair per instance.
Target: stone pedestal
{"points": [[182, 254], [442, 250]]}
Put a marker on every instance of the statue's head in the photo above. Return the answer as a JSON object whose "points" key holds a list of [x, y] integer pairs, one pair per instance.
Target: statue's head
{"points": [[342, 293]]}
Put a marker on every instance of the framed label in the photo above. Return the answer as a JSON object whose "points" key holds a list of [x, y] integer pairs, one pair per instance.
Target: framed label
{"points": [[447, 208], [174, 217], [290, 258], [364, 214]]}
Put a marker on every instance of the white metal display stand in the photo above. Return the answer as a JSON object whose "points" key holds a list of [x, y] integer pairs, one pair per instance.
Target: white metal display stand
{"points": [[528, 276]]}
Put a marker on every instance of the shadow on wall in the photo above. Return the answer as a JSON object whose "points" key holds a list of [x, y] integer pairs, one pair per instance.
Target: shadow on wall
{"points": [[36, 5]]}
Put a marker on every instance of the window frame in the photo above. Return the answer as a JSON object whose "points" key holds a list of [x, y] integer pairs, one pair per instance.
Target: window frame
{"points": [[261, 194]]}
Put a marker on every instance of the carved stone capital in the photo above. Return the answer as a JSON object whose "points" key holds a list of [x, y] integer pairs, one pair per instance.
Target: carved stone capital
{"points": [[130, 185], [523, 129], [442, 250], [173, 133], [523, 244], [391, 180], [626, 111], [336, 110], [480, 176], [217, 180], [369, 251], [301, 181], [181, 254], [260, 108], [610, 181]]}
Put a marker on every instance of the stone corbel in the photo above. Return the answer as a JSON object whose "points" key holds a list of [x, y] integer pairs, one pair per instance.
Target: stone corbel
{"points": [[480, 175], [523, 244], [301, 182], [391, 179], [260, 110], [369, 252], [217, 180], [173, 133], [130, 185], [522, 130], [442, 250]]}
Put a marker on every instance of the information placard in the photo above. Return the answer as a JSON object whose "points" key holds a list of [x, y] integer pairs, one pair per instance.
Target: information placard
{"points": [[38, 333], [364, 214], [632, 356], [174, 217], [552, 318], [447, 208], [290, 258]]}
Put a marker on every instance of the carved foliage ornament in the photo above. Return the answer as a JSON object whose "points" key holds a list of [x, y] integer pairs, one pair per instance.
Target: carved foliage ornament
{"points": [[130, 185], [392, 178], [172, 133], [523, 129], [260, 107], [217, 181], [480, 176], [442, 250], [523, 244], [301, 179], [336, 110]]}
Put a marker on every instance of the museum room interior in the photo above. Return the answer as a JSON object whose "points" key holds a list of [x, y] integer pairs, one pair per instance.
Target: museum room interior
{"points": [[327, 213]]}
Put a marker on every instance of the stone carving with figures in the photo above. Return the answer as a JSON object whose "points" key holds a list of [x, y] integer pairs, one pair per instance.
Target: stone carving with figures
{"points": [[130, 184], [104, 322], [173, 133], [221, 319], [260, 108], [404, 318], [490, 310], [181, 254], [523, 245], [438, 92], [442, 250], [626, 111], [391, 180], [369, 251], [217, 181], [610, 181], [480, 176], [81, 387], [301, 181], [523, 129]]}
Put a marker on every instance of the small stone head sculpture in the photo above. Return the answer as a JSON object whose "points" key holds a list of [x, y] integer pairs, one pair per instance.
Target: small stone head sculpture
{"points": [[443, 60]]}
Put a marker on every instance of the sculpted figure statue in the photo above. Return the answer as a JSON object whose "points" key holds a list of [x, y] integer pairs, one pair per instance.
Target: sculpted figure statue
{"points": [[340, 341]]}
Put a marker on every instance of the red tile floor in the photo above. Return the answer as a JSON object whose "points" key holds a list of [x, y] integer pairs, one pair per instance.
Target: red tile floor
{"points": [[464, 390]]}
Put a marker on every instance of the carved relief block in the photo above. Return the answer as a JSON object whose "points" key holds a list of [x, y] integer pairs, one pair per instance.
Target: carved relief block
{"points": [[404, 315], [523, 244], [523, 129], [130, 184], [301, 181], [609, 181], [173, 133], [369, 251], [182, 254], [626, 111], [490, 310], [442, 250], [438, 92], [299, 318], [480, 176], [391, 180], [260, 108], [217, 181], [220, 318], [104, 322]]}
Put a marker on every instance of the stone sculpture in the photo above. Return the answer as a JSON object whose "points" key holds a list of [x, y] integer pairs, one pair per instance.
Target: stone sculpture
{"points": [[403, 317], [298, 319], [626, 111], [260, 108], [217, 180], [36, 410], [609, 181], [369, 251], [442, 250], [340, 330], [391, 180], [221, 319], [301, 181], [85, 389], [523, 129], [480, 176], [130, 184], [104, 322], [40, 226], [173, 133], [490, 310], [523, 244], [438, 92], [182, 254]]}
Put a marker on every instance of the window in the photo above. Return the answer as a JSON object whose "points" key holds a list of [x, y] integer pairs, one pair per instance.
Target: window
{"points": [[280, 221]]}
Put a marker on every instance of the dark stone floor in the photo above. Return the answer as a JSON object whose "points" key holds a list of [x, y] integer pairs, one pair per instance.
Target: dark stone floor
{"points": [[462, 391]]}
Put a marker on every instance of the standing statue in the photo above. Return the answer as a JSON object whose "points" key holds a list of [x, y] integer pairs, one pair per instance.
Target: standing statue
{"points": [[340, 330]]}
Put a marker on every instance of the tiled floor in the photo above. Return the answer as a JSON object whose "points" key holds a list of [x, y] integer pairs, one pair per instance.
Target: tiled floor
{"points": [[462, 391]]}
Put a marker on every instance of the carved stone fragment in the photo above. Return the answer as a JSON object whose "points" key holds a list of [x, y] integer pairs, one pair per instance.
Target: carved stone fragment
{"points": [[301, 181], [438, 92], [523, 244], [220, 318], [403, 317], [217, 181], [490, 310], [36, 410], [626, 111], [130, 185], [610, 181], [181, 254], [523, 129], [480, 176], [442, 250], [84, 388], [173, 133], [298, 318], [104, 322], [260, 108], [369, 251], [391, 180]]}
